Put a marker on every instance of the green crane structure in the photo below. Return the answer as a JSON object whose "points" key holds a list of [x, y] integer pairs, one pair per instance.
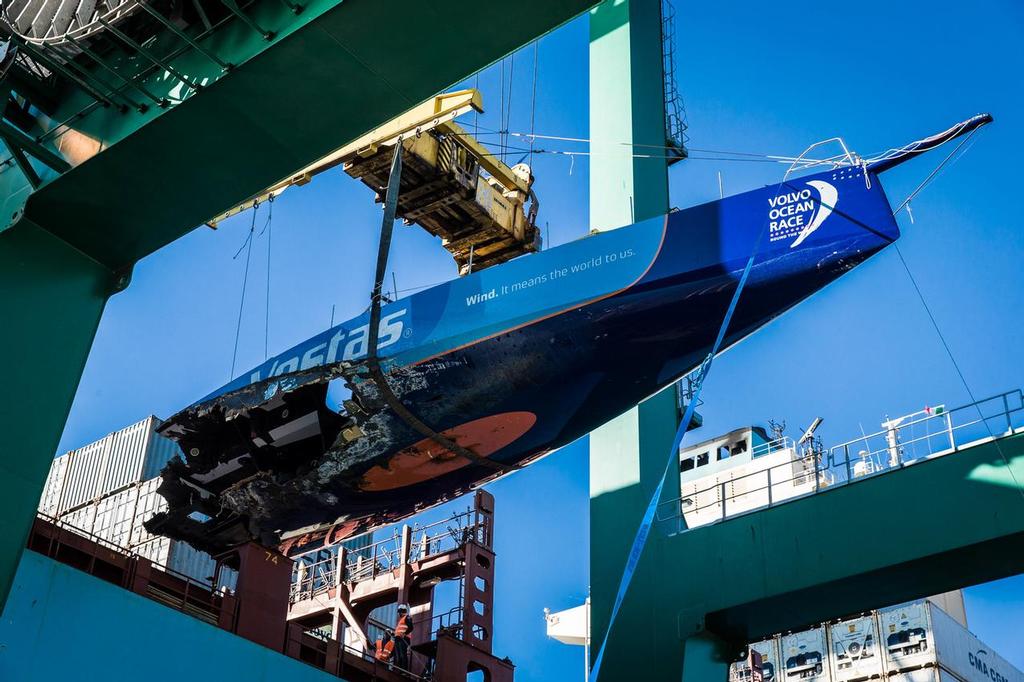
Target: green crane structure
{"points": [[113, 154]]}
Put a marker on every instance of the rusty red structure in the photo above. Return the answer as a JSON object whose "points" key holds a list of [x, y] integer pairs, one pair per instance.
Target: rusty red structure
{"points": [[337, 596], [321, 614]]}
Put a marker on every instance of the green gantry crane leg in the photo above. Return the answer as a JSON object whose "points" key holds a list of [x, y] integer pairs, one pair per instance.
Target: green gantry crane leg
{"points": [[627, 455]]}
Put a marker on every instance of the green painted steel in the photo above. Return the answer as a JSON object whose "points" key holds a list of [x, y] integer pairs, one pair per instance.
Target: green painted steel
{"points": [[627, 455], [62, 624], [52, 300], [329, 74], [932, 526]]}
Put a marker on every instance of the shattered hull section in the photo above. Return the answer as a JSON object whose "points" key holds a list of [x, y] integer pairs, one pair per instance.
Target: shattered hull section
{"points": [[266, 461]]}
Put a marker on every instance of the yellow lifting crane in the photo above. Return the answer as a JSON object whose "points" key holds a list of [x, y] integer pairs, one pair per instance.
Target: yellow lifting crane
{"points": [[451, 185]]}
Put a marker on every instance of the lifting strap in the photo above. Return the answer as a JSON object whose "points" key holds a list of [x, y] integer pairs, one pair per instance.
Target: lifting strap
{"points": [[373, 361], [640, 540]]}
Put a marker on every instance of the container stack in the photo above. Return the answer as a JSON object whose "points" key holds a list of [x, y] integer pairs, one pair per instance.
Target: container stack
{"points": [[107, 489], [912, 642]]}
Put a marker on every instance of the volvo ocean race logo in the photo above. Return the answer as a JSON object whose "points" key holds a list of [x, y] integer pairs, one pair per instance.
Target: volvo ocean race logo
{"points": [[800, 213]]}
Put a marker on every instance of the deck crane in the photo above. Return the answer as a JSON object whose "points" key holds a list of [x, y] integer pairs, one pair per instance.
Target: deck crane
{"points": [[452, 185]]}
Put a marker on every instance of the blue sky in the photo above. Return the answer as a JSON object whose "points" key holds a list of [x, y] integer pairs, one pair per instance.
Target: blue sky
{"points": [[764, 78]]}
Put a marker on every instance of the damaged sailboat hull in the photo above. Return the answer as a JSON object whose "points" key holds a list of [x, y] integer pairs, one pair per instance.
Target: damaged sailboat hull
{"points": [[508, 363]]}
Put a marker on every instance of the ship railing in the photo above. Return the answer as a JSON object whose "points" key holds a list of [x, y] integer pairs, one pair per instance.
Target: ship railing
{"points": [[318, 648], [313, 579], [365, 563], [772, 446], [449, 622], [127, 568], [937, 432]]}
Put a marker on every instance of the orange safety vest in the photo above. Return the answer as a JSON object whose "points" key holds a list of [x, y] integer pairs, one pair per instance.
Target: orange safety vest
{"points": [[384, 651], [403, 627]]}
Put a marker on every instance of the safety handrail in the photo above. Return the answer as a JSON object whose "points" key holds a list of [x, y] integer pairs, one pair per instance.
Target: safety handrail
{"points": [[364, 563], [812, 473]]}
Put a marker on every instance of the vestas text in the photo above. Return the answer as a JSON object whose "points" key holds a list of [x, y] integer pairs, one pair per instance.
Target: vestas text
{"points": [[343, 345]]}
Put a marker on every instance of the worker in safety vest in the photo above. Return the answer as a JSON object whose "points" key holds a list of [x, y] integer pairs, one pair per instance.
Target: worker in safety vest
{"points": [[384, 647], [403, 637]]}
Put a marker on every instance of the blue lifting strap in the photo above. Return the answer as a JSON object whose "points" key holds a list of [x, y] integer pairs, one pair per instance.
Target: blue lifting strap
{"points": [[645, 525]]}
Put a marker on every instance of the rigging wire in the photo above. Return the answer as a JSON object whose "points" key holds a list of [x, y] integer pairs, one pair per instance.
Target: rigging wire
{"points": [[247, 245], [934, 173], [507, 115], [533, 99], [946, 162], [269, 229]]}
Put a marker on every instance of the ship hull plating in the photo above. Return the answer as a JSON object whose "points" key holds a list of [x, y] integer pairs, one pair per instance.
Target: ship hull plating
{"points": [[511, 363]]}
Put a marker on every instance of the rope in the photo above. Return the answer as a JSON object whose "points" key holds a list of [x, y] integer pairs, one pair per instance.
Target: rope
{"points": [[245, 280]]}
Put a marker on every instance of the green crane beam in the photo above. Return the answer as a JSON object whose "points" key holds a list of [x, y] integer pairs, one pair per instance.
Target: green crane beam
{"points": [[140, 179]]}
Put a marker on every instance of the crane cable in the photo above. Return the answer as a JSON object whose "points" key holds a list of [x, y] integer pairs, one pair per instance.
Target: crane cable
{"points": [[247, 245]]}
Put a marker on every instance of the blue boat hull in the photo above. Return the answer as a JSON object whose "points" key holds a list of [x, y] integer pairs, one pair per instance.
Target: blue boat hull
{"points": [[511, 363]]}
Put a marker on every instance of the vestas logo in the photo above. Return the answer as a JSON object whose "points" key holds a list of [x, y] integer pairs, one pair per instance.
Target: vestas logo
{"points": [[800, 213], [343, 345]]}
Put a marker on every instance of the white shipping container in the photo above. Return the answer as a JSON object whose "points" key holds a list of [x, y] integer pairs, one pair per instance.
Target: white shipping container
{"points": [[804, 656], [930, 674], [133, 454], [85, 471], [115, 514], [81, 519], [854, 649], [149, 503], [157, 550], [966, 656], [740, 672], [906, 636], [49, 503]]}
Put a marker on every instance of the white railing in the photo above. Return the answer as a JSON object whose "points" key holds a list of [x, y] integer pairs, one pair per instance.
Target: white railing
{"points": [[930, 433], [365, 563]]}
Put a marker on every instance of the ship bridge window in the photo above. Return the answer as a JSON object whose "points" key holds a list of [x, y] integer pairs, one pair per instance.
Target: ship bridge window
{"points": [[723, 452], [686, 464], [702, 458], [739, 447]]}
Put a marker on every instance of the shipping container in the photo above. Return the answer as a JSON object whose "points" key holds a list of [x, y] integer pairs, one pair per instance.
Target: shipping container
{"points": [[81, 519], [854, 649], [804, 656], [769, 650], [953, 604], [115, 515], [912, 642], [149, 503], [956, 650], [133, 454]]}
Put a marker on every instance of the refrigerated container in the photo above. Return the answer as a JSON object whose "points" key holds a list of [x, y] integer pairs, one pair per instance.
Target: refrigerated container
{"points": [[769, 650], [919, 637], [853, 647], [804, 656]]}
